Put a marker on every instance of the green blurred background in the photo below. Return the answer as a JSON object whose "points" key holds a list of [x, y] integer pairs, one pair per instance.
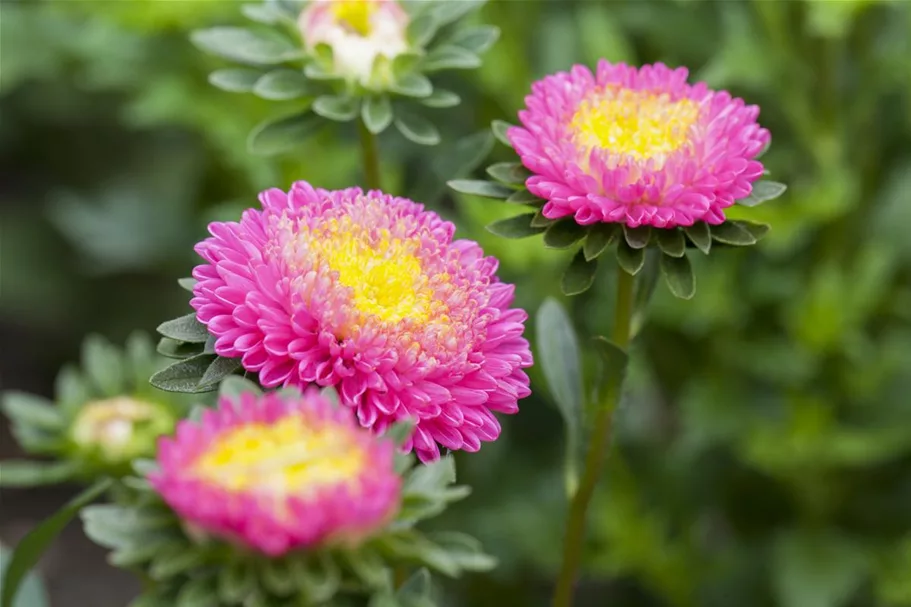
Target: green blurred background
{"points": [[766, 432]]}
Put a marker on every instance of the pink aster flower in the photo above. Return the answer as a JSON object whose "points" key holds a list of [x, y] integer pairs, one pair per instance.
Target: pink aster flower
{"points": [[368, 293], [278, 474], [637, 146]]}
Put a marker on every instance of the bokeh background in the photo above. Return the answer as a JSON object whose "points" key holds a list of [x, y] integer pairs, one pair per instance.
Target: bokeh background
{"points": [[765, 438]]}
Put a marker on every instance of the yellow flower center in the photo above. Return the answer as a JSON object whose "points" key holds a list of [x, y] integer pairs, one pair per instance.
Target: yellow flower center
{"points": [[288, 455], [355, 13], [639, 124]]}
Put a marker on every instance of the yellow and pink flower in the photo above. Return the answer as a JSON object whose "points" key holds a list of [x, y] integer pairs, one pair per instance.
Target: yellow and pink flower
{"points": [[368, 293], [637, 146], [278, 473]]}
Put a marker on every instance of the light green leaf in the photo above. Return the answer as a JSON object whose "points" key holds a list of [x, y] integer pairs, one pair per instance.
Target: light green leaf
{"points": [[816, 570], [31, 410], [580, 275], [484, 189], [431, 478], [102, 364], [335, 107], [422, 29], [499, 128], [732, 233], [477, 39], [275, 136], [32, 592], [441, 98], [449, 57], [245, 46], [413, 85], [265, 13], [281, 85], [235, 80], [510, 173], [763, 191], [26, 473], [376, 112], [235, 385], [417, 129]]}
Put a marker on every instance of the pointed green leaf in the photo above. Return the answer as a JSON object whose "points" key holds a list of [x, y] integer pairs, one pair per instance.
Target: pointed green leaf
{"points": [[477, 39], [431, 478], [441, 98], [376, 112], [484, 189], [266, 13], [26, 473], [220, 368], [448, 57], [187, 284], [282, 84], [762, 191], [525, 197], [31, 410], [447, 12], [756, 230], [184, 376], [245, 46], [34, 544], [400, 432], [630, 259], [275, 136], [499, 128], [103, 365], [415, 589], [413, 85], [515, 227], [235, 385], [580, 275], [235, 80], [678, 274], [538, 220], [336, 107], [32, 592], [564, 233], [671, 242], [70, 389], [731, 233], [422, 29], [511, 173], [637, 238], [465, 550], [186, 329], [417, 129], [600, 236], [700, 235]]}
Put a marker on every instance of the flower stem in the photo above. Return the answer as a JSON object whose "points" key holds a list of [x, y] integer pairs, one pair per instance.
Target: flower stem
{"points": [[370, 156], [597, 451]]}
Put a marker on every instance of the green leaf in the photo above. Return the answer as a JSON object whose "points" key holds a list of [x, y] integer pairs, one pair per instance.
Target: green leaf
{"points": [[637, 238], [538, 220], [417, 129], [179, 559], [196, 592], [187, 284], [484, 189], [645, 286], [499, 128], [220, 368], [415, 592], [235, 385], [33, 545], [376, 112], [816, 570], [441, 98], [368, 566], [476, 39], [558, 355], [70, 389], [449, 57], [600, 236], [262, 13], [236, 581], [245, 46], [580, 274], [515, 227], [186, 329], [700, 235], [171, 348], [400, 432], [32, 592], [235, 80], [31, 410], [671, 242], [447, 12], [511, 173], [184, 376], [762, 191], [678, 274], [275, 136], [140, 358], [282, 84], [277, 577], [465, 550], [318, 578], [413, 85], [431, 478], [336, 107], [756, 230], [26, 473], [630, 259], [732, 233], [563, 234], [525, 197], [422, 29], [614, 361], [102, 365]]}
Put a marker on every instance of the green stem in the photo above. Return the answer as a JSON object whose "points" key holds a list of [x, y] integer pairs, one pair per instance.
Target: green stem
{"points": [[370, 156], [597, 452]]}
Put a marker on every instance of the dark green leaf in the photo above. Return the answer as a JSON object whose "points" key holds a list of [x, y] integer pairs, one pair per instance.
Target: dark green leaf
{"points": [[763, 191], [32, 592], [26, 473], [33, 545], [376, 112], [220, 368], [580, 275], [449, 57], [756, 230], [700, 235], [499, 128], [441, 98], [630, 259], [413, 85], [515, 227], [417, 129], [335, 107], [476, 39], [563, 234], [281, 85], [525, 197], [235, 80], [678, 274], [245, 46], [671, 242], [614, 361], [186, 329], [511, 173], [31, 410], [185, 375], [637, 238], [277, 577], [731, 233], [197, 592], [600, 236], [275, 136], [172, 348], [538, 220]]}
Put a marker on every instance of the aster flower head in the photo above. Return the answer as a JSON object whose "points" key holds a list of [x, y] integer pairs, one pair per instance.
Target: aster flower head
{"points": [[278, 474]]}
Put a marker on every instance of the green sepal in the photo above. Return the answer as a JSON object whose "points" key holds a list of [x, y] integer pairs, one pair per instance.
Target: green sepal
{"points": [[678, 275], [538, 220], [400, 432], [236, 581], [477, 39], [484, 189], [171, 348], [449, 57], [415, 592], [441, 98], [376, 112], [499, 128], [732, 233], [763, 191], [368, 566], [757, 230], [185, 375], [525, 197], [318, 578], [282, 84], [339, 108], [30, 410], [564, 233], [422, 29], [235, 80], [599, 237], [187, 283], [246, 46], [175, 560], [580, 275], [235, 385], [185, 329], [102, 365], [510, 173], [413, 85], [196, 592], [278, 135], [220, 368], [518, 226], [465, 550], [671, 242], [637, 238], [278, 577], [630, 260], [416, 128], [700, 235]]}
